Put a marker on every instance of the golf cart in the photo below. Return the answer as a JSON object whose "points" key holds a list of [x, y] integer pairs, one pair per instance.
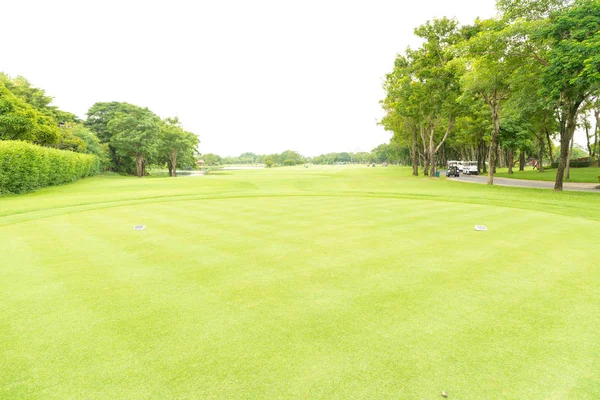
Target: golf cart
{"points": [[452, 169], [470, 168]]}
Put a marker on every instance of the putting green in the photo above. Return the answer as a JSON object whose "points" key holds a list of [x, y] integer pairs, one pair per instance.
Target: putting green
{"points": [[293, 283]]}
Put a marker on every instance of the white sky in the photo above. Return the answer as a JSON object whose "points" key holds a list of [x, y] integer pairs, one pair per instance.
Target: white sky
{"points": [[261, 76]]}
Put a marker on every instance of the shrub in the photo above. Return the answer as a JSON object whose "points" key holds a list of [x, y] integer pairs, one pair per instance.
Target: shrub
{"points": [[25, 167], [578, 163]]}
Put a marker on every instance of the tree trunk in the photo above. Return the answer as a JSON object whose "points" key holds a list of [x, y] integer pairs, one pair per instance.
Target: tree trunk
{"points": [[567, 129], [550, 151], [431, 154], [587, 138], [479, 158], [139, 165], [522, 161], [597, 134], [414, 155], [173, 163], [483, 156], [493, 142], [568, 167], [425, 152], [541, 153], [511, 161]]}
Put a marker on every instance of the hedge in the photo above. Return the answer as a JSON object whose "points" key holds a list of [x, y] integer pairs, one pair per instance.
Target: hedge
{"points": [[578, 163], [25, 167]]}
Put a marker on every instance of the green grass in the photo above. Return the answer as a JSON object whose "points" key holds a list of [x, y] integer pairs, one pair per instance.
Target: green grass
{"points": [[330, 283], [590, 174]]}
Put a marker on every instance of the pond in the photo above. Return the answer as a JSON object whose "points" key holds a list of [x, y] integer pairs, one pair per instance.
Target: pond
{"points": [[179, 173]]}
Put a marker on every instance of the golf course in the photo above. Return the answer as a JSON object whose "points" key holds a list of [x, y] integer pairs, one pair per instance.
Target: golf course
{"points": [[328, 282]]}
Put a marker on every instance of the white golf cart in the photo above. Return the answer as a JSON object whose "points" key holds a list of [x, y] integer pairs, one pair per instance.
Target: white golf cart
{"points": [[470, 168]]}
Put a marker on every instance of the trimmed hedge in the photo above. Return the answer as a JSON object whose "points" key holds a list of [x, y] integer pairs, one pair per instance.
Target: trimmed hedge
{"points": [[25, 167], [578, 163]]}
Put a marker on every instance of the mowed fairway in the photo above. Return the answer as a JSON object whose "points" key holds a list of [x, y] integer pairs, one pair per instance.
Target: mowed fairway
{"points": [[293, 283]]}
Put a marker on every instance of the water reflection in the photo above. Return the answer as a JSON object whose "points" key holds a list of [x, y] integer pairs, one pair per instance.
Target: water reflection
{"points": [[179, 173]]}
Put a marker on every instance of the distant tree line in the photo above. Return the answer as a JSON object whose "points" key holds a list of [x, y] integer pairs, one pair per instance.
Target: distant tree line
{"points": [[125, 138], [392, 153], [500, 90], [286, 158], [388, 152]]}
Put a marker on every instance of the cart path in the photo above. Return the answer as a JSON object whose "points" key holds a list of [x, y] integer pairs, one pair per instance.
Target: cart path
{"points": [[571, 186]]}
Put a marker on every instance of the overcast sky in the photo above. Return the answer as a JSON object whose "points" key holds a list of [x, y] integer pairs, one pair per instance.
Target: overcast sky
{"points": [[260, 76]]}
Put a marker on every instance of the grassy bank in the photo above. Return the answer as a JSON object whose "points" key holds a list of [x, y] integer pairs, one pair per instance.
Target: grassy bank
{"points": [[590, 174], [327, 282]]}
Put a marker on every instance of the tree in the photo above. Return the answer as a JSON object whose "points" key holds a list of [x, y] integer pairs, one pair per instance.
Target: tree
{"points": [[269, 161], [514, 135], [573, 68], [422, 91], [489, 66], [37, 99], [530, 9], [175, 144], [290, 157], [211, 159], [135, 134], [69, 141], [93, 145], [248, 158], [98, 118], [21, 121]]}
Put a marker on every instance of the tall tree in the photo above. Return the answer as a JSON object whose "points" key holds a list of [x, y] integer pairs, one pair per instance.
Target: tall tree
{"points": [[135, 134], [422, 91], [573, 68], [438, 88], [98, 118], [401, 115], [488, 69], [176, 144]]}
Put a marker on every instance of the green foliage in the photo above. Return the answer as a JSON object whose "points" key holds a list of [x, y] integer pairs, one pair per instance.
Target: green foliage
{"points": [[574, 59], [269, 161], [69, 141], [100, 114], [530, 9], [135, 134], [25, 167], [98, 118], [21, 121], [576, 163], [176, 146], [93, 145], [515, 134], [290, 157], [211, 159], [36, 98], [391, 152], [248, 158], [422, 92]]}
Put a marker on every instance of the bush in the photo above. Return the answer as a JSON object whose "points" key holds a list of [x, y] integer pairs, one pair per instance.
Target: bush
{"points": [[25, 167], [578, 163]]}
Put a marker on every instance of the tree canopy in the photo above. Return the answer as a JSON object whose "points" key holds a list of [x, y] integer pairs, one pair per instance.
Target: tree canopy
{"points": [[497, 87]]}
